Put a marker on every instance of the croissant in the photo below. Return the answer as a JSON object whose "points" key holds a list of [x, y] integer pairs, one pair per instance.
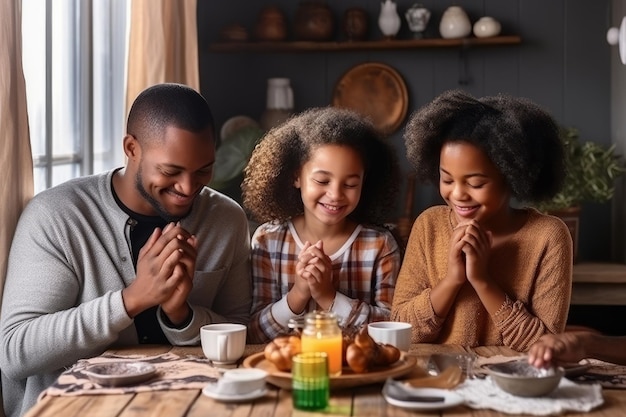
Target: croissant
{"points": [[281, 350]]}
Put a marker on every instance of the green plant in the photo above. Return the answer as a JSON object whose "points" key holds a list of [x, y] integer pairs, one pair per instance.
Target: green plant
{"points": [[591, 173], [232, 156]]}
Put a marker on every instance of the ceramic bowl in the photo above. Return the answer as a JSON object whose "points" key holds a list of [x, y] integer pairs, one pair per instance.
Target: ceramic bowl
{"points": [[524, 380]]}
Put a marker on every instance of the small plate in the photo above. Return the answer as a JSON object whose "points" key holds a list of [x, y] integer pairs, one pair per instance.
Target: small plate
{"points": [[209, 391], [450, 399], [119, 373]]}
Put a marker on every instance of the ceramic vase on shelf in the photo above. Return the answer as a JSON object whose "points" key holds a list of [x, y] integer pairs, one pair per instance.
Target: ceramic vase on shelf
{"points": [[417, 16], [486, 27], [279, 103], [271, 25], [389, 21], [454, 23], [313, 21], [355, 24]]}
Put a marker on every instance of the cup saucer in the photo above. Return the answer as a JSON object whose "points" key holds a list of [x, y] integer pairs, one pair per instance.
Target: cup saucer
{"points": [[210, 391]]}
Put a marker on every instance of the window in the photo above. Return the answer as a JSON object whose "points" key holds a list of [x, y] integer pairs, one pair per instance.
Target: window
{"points": [[74, 64]]}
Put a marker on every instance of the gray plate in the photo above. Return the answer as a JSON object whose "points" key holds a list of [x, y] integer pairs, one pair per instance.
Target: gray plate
{"points": [[119, 373]]}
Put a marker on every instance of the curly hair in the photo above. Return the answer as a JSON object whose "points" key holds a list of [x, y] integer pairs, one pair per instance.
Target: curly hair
{"points": [[520, 138], [268, 189]]}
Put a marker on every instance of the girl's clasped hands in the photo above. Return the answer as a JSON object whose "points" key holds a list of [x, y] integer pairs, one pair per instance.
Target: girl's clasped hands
{"points": [[314, 270], [469, 252]]}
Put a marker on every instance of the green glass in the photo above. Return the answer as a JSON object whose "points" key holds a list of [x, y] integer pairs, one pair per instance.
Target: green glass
{"points": [[309, 381]]}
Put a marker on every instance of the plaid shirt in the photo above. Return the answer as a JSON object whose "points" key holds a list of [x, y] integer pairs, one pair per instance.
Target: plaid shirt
{"points": [[364, 271]]}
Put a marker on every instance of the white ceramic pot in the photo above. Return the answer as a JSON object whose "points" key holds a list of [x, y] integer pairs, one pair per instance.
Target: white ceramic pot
{"points": [[486, 27], [454, 23], [389, 21]]}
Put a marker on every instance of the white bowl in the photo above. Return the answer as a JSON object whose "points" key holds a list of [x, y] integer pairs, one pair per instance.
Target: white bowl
{"points": [[524, 380]]}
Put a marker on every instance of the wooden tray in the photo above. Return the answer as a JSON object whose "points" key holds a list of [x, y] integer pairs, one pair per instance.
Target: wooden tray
{"points": [[347, 379], [375, 90]]}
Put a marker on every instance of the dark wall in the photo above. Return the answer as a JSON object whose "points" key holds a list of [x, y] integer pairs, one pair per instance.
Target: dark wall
{"points": [[563, 63]]}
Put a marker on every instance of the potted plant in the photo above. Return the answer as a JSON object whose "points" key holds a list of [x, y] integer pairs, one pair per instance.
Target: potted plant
{"points": [[232, 157], [591, 173]]}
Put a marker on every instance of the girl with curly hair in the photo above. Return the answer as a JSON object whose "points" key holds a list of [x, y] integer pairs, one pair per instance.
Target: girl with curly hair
{"points": [[322, 184], [482, 270]]}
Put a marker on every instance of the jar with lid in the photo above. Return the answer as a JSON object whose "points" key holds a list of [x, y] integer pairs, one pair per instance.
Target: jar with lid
{"points": [[321, 333]]}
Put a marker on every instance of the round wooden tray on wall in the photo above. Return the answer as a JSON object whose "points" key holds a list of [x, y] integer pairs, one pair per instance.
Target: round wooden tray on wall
{"points": [[375, 90]]}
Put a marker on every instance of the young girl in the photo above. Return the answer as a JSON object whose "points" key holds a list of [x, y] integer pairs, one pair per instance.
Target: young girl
{"points": [[480, 271], [323, 182]]}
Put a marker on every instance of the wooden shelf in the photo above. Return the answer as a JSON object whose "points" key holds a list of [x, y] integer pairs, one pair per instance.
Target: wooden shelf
{"points": [[361, 45], [609, 273], [599, 284]]}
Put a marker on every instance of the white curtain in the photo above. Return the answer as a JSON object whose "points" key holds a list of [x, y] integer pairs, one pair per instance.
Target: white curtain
{"points": [[16, 181], [163, 45]]}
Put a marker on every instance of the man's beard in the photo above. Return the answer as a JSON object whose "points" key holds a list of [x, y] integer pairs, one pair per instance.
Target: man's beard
{"points": [[158, 207]]}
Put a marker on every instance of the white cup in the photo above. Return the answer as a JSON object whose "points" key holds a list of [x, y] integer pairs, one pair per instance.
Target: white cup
{"points": [[223, 343], [394, 333]]}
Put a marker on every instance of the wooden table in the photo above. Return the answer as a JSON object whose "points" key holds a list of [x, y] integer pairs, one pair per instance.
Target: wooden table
{"points": [[363, 401], [599, 284]]}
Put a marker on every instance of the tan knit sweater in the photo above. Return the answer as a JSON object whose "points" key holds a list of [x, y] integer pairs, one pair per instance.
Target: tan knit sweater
{"points": [[534, 268]]}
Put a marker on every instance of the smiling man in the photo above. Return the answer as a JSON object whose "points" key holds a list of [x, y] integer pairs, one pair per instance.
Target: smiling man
{"points": [[141, 254]]}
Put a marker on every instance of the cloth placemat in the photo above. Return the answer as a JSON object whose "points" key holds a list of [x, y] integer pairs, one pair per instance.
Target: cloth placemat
{"points": [[569, 396], [609, 375], [593, 371], [173, 372]]}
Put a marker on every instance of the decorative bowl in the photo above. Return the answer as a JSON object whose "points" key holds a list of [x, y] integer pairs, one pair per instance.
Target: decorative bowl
{"points": [[524, 380]]}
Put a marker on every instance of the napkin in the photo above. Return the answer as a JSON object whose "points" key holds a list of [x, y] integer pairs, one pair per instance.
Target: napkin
{"points": [[568, 396], [172, 372]]}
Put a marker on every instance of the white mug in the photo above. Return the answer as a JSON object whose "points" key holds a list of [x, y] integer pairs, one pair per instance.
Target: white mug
{"points": [[394, 333], [223, 343]]}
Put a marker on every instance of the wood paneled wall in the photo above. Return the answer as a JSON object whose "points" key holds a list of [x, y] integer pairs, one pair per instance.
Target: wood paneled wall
{"points": [[563, 63]]}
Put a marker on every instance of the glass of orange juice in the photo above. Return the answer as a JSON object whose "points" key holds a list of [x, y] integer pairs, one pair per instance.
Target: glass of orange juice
{"points": [[321, 333]]}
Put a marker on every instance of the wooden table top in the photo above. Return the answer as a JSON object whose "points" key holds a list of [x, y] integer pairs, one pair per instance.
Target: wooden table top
{"points": [[362, 401]]}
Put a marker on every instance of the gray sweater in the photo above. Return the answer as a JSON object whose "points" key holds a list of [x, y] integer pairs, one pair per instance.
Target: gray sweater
{"points": [[69, 262]]}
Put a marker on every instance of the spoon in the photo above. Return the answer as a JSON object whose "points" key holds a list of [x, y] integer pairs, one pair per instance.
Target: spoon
{"points": [[398, 391], [448, 378]]}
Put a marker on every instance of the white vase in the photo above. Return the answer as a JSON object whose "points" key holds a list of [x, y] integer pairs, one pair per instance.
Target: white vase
{"points": [[389, 21], [279, 94], [486, 27], [454, 23]]}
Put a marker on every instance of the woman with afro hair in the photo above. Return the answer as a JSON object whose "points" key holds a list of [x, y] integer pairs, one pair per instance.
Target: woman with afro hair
{"points": [[322, 184], [481, 270]]}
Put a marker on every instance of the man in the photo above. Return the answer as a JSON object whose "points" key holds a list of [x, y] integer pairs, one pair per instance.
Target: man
{"points": [[142, 254]]}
